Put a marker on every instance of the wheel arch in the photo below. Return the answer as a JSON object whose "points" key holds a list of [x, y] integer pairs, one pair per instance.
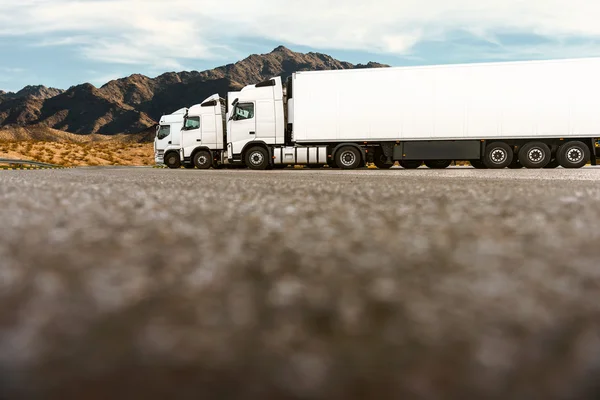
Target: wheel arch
{"points": [[200, 148], [172, 151], [258, 143], [362, 151]]}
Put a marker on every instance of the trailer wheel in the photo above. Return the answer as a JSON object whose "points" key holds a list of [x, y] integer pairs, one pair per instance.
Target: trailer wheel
{"points": [[257, 158], [535, 155], [410, 164], [379, 159], [498, 155], [552, 164], [438, 164], [172, 160], [573, 155], [477, 164], [348, 157], [202, 159]]}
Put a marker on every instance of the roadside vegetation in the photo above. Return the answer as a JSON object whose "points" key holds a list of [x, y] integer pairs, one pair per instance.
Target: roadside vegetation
{"points": [[70, 150], [79, 154]]}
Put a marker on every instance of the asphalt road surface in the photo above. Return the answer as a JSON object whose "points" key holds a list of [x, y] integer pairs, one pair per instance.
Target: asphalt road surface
{"points": [[300, 284]]}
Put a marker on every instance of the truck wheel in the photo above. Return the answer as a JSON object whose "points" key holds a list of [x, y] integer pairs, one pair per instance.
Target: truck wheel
{"points": [[172, 161], [379, 159], [477, 164], [535, 155], [257, 158], [573, 155], [438, 164], [498, 155], [348, 157], [552, 164], [202, 159], [410, 164]]}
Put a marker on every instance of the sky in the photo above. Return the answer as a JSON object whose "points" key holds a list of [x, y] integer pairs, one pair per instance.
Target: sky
{"points": [[61, 43]]}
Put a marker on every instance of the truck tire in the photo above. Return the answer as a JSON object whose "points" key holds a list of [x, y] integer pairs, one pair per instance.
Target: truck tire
{"points": [[379, 159], [257, 158], [410, 164], [438, 164], [498, 155], [202, 159], [573, 155], [172, 160], [535, 155], [477, 164], [552, 164], [348, 157]]}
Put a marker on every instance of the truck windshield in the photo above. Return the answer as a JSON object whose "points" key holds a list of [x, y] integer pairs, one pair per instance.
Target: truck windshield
{"points": [[192, 123], [163, 132]]}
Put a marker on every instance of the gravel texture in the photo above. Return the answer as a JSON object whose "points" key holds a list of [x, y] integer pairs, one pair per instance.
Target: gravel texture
{"points": [[300, 284]]}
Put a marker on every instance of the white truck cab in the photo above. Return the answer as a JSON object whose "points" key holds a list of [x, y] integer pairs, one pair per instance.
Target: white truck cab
{"points": [[201, 139], [257, 118], [167, 134]]}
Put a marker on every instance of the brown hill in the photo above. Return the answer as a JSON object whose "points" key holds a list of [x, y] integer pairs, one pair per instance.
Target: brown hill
{"points": [[33, 92], [135, 103], [40, 133], [24, 106]]}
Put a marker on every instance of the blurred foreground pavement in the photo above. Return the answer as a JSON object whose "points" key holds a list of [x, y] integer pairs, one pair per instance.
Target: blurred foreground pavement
{"points": [[152, 284]]}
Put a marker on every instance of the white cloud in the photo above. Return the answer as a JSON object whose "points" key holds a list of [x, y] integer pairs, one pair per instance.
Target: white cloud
{"points": [[11, 70], [164, 34]]}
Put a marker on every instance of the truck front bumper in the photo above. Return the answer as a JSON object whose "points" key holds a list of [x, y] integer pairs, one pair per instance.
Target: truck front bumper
{"points": [[159, 158]]}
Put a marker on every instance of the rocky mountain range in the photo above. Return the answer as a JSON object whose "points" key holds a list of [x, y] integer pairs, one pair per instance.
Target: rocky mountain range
{"points": [[135, 103]]}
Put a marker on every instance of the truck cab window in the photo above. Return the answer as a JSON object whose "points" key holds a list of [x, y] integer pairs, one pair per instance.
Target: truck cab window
{"points": [[243, 111], [192, 123], [163, 131]]}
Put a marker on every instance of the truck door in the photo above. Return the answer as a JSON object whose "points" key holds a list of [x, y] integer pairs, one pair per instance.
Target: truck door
{"points": [[242, 127], [191, 135], [163, 137], [265, 120], [209, 131]]}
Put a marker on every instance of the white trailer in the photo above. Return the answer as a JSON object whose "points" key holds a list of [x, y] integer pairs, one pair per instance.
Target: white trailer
{"points": [[200, 142], [531, 114]]}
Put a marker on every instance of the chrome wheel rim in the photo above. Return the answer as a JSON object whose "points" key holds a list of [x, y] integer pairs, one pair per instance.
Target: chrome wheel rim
{"points": [[498, 155], [348, 158], [536, 155], [574, 155], [256, 158]]}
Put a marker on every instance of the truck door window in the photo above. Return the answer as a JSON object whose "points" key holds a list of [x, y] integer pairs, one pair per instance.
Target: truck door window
{"points": [[163, 132], [244, 111], [192, 123]]}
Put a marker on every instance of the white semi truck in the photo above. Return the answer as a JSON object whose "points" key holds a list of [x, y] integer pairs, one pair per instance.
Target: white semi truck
{"points": [[200, 139], [168, 134], [532, 114]]}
